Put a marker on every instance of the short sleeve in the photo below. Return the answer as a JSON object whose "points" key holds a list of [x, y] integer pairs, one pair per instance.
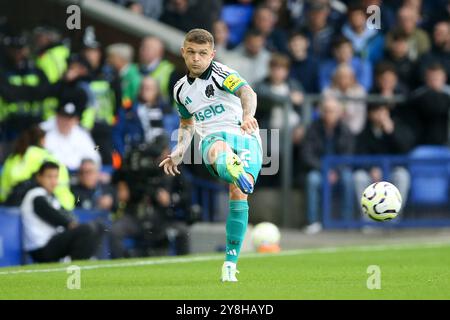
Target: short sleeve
{"points": [[233, 82]]}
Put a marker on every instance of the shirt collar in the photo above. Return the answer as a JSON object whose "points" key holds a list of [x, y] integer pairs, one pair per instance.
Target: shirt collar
{"points": [[204, 76]]}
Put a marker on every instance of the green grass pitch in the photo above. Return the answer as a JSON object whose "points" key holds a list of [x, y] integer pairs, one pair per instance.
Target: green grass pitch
{"points": [[407, 272]]}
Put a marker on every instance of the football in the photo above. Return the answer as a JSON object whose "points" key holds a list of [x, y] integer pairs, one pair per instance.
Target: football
{"points": [[381, 201], [266, 237]]}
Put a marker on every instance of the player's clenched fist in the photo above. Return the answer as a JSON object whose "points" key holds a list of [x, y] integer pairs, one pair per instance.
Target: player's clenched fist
{"points": [[249, 125]]}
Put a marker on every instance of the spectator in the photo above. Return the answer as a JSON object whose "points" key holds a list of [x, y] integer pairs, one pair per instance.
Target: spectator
{"points": [[387, 84], [440, 52], [152, 9], [21, 166], [300, 10], [273, 93], [264, 21], [383, 135], [367, 42], [147, 119], [327, 136], [120, 57], [343, 54], [221, 36], [51, 53], [251, 59], [23, 89], [104, 92], [418, 40], [153, 64], [276, 90], [185, 15], [66, 139], [90, 192], [428, 108], [441, 14], [397, 54], [425, 10], [344, 86], [304, 67], [279, 7], [43, 217], [317, 30], [207, 12], [177, 14]]}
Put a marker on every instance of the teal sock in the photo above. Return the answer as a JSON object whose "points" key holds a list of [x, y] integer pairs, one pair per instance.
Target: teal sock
{"points": [[221, 167], [237, 221]]}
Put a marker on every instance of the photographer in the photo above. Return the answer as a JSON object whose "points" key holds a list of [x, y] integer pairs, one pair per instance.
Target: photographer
{"points": [[150, 204]]}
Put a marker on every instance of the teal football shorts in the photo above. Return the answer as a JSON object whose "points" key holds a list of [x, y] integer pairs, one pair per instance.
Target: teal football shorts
{"points": [[247, 148]]}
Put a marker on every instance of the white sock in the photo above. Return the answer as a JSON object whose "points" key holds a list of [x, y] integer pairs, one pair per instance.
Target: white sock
{"points": [[230, 264]]}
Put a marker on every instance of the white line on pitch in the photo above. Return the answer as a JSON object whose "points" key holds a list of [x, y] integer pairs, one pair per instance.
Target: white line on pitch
{"points": [[245, 255]]}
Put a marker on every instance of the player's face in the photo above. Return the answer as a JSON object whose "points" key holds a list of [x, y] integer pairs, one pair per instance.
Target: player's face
{"points": [[197, 57]]}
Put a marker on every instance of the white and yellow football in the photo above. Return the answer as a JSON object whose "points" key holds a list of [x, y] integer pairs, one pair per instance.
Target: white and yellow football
{"points": [[381, 201]]}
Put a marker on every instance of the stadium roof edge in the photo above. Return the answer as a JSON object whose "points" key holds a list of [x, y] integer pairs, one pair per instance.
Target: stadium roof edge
{"points": [[127, 21]]}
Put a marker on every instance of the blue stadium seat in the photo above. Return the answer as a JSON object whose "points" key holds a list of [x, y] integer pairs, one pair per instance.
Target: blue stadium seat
{"points": [[10, 237], [237, 18], [85, 216], [430, 182]]}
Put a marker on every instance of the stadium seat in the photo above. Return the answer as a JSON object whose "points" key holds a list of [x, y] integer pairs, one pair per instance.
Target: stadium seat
{"points": [[430, 182], [10, 237], [237, 18]]}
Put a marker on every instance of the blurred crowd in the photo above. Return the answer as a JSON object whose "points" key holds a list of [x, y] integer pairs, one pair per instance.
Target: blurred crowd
{"points": [[105, 113]]}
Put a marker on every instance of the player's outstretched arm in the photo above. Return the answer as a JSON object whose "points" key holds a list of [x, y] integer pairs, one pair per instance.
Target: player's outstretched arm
{"points": [[185, 134], [248, 102]]}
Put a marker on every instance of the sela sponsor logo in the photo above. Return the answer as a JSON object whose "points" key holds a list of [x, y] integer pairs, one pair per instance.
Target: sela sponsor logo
{"points": [[209, 112]]}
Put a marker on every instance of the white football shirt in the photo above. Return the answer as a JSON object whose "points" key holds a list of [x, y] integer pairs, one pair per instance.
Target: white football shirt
{"points": [[211, 100]]}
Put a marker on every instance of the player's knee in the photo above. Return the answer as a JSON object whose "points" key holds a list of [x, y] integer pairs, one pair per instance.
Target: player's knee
{"points": [[217, 148]]}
